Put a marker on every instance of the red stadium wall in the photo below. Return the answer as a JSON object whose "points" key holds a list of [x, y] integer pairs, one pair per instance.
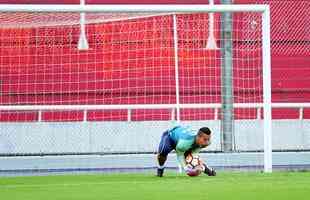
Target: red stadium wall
{"points": [[290, 67]]}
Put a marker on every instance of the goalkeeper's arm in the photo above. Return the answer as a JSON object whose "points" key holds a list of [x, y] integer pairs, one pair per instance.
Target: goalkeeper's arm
{"points": [[181, 158]]}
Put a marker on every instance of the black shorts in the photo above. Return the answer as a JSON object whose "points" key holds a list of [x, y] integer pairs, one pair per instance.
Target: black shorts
{"points": [[166, 144]]}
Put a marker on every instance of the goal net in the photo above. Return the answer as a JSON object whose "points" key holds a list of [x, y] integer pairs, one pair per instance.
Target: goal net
{"points": [[96, 90]]}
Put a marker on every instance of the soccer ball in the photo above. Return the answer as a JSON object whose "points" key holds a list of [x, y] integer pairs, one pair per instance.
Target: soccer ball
{"points": [[195, 164], [193, 161]]}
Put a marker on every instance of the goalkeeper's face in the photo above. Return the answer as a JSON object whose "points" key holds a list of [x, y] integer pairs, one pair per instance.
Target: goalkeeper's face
{"points": [[203, 140]]}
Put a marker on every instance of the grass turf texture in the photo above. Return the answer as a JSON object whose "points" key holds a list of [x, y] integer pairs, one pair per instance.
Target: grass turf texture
{"points": [[275, 186]]}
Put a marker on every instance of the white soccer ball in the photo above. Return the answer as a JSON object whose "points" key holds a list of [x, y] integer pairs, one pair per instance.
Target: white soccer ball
{"points": [[193, 161]]}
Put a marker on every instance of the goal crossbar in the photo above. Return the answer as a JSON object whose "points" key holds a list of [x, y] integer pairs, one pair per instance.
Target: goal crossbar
{"points": [[132, 8]]}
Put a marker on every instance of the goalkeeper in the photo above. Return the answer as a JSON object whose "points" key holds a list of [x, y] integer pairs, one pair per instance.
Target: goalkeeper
{"points": [[184, 141]]}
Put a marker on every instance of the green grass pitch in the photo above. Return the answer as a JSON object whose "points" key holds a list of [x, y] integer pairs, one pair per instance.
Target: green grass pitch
{"points": [[229, 186]]}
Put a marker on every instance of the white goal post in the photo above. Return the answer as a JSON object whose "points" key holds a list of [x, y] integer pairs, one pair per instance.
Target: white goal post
{"points": [[177, 105]]}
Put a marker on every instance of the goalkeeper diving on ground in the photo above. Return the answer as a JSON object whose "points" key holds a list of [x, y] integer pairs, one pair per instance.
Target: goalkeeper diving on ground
{"points": [[185, 142]]}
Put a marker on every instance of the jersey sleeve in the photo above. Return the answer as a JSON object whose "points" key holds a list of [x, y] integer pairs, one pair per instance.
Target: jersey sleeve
{"points": [[180, 149], [181, 159]]}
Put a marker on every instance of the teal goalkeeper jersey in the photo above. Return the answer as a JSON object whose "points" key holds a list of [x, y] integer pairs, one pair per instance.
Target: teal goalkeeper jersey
{"points": [[184, 137]]}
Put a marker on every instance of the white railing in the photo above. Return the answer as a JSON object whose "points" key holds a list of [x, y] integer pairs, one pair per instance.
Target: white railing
{"points": [[129, 108]]}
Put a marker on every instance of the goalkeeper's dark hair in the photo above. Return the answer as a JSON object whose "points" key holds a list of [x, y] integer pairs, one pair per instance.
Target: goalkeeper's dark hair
{"points": [[204, 130]]}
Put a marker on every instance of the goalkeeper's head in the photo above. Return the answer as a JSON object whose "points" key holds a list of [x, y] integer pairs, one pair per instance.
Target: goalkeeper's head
{"points": [[203, 138]]}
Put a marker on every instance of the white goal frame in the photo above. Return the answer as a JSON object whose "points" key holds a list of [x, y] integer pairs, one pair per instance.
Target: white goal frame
{"points": [[266, 56]]}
